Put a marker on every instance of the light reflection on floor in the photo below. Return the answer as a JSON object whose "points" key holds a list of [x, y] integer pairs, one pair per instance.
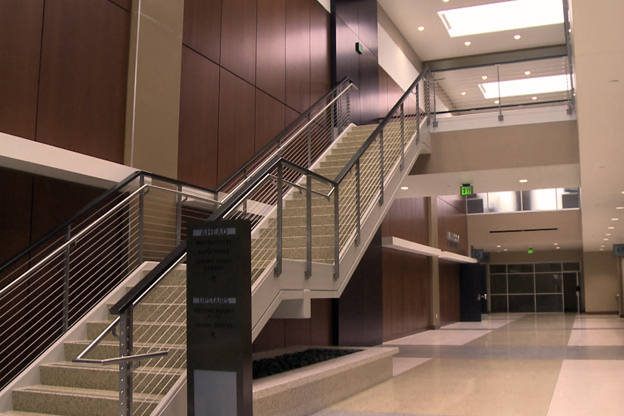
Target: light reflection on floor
{"points": [[509, 364]]}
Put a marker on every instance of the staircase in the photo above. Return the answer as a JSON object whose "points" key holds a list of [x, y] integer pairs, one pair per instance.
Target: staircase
{"points": [[360, 193]]}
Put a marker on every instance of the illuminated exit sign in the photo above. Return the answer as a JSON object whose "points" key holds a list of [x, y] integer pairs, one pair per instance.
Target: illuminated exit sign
{"points": [[466, 189]]}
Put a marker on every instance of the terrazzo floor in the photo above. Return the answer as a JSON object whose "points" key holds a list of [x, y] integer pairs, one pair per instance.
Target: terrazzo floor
{"points": [[507, 365]]}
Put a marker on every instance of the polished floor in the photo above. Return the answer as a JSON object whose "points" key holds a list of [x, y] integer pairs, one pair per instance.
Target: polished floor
{"points": [[507, 365]]}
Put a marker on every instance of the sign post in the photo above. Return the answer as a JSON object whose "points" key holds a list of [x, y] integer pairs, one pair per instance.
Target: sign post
{"points": [[219, 368]]}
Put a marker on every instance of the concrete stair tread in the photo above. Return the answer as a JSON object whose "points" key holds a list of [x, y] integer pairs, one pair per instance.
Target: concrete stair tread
{"points": [[76, 391], [17, 413], [111, 368], [135, 344]]}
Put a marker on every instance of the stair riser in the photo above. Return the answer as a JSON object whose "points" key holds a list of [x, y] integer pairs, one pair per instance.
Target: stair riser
{"points": [[68, 405], [141, 332], [166, 293], [105, 378], [150, 312], [175, 278]]}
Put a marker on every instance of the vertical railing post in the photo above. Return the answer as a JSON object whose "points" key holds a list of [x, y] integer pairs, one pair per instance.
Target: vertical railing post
{"points": [[308, 270], [66, 281], [500, 102], [141, 220], [333, 122], [348, 106], [178, 229], [402, 136], [358, 202], [125, 367], [280, 196], [336, 233], [427, 84], [381, 169], [417, 113], [433, 98], [309, 142]]}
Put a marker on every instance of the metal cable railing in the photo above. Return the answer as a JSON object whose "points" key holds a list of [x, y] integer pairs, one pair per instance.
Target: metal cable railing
{"points": [[156, 331], [50, 286], [496, 88]]}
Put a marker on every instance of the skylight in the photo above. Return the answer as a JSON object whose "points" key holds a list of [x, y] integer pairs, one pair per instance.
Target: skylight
{"points": [[497, 17], [527, 86]]}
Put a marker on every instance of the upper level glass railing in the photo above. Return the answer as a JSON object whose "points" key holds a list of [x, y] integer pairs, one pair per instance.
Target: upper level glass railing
{"points": [[502, 87], [554, 199]]}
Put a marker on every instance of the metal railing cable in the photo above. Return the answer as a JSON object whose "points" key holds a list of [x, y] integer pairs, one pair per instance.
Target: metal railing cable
{"points": [[53, 284], [254, 193]]}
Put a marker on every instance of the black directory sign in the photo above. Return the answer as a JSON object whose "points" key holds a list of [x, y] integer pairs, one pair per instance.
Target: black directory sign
{"points": [[219, 319]]}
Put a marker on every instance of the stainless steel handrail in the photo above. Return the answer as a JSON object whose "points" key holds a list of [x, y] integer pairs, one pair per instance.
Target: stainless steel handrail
{"points": [[288, 141]]}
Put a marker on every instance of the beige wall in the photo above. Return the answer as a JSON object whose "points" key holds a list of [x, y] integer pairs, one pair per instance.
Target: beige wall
{"points": [[537, 256], [153, 103], [601, 282], [501, 148]]}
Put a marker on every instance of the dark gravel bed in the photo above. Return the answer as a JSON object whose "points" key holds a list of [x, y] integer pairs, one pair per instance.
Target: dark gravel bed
{"points": [[282, 363]]}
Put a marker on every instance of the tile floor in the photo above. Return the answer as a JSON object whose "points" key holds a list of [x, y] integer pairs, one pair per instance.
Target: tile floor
{"points": [[507, 365]]}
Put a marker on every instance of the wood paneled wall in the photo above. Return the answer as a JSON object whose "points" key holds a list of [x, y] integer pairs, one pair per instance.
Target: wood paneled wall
{"points": [[31, 206], [249, 68], [406, 277], [452, 217], [356, 21], [449, 292], [63, 73], [282, 333]]}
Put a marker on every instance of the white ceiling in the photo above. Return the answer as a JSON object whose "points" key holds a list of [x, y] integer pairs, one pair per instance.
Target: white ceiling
{"points": [[599, 71]]}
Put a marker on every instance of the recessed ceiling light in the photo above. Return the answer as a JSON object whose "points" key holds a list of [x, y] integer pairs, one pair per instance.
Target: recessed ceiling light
{"points": [[524, 180], [517, 37], [612, 228], [421, 28], [556, 244], [497, 17], [602, 249], [605, 239], [558, 248], [527, 72], [498, 246], [467, 43], [602, 245], [619, 207], [615, 219], [463, 93], [623, 192], [484, 77], [528, 86], [534, 98], [445, 1], [607, 234], [404, 188], [496, 102]]}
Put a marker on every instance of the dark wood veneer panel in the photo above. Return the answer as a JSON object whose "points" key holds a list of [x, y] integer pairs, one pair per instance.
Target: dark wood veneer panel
{"points": [[237, 104], [449, 292], [321, 322], [84, 69], [15, 212], [238, 38], [296, 332], [298, 54], [202, 27], [271, 337], [320, 51], [126, 4], [270, 119], [271, 56], [199, 120], [20, 47]]}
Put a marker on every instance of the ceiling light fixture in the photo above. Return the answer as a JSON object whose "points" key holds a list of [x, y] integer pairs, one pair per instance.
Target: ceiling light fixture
{"points": [[404, 188], [607, 234], [558, 248], [534, 98], [501, 16], [498, 246], [605, 239], [496, 102], [527, 73], [528, 86], [484, 77], [612, 228], [421, 28], [619, 207], [615, 219], [504, 249], [467, 43], [517, 37], [463, 93], [556, 244], [523, 180]]}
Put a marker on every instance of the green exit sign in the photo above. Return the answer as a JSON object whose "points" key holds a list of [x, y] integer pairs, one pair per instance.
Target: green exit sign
{"points": [[466, 190], [530, 250]]}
